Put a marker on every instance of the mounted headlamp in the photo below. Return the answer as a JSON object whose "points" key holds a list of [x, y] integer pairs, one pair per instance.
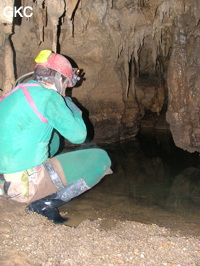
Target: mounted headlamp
{"points": [[75, 77]]}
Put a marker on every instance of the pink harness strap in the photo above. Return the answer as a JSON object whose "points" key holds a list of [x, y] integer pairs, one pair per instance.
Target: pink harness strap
{"points": [[28, 98], [32, 104], [10, 92]]}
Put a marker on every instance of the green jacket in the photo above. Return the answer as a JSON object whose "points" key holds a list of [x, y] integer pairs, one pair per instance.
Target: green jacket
{"points": [[24, 138]]}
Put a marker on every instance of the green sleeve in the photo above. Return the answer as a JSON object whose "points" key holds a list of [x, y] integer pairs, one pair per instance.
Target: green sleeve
{"points": [[69, 125]]}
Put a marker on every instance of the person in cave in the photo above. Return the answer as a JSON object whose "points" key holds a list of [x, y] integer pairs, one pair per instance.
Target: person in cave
{"points": [[33, 114]]}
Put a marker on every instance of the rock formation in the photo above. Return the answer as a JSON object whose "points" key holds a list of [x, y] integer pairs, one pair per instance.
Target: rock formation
{"points": [[137, 56]]}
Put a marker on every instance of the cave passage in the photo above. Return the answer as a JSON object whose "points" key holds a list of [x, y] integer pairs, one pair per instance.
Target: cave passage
{"points": [[153, 182]]}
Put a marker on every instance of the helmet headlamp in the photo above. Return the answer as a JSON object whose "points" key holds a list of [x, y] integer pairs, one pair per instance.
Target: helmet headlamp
{"points": [[75, 77]]}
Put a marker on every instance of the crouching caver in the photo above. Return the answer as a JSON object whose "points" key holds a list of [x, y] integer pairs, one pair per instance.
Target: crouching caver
{"points": [[32, 114]]}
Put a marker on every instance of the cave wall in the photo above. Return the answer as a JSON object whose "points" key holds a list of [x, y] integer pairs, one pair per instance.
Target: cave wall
{"points": [[183, 113], [123, 47]]}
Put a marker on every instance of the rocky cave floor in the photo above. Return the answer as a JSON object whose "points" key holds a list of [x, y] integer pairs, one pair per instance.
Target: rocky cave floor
{"points": [[30, 239]]}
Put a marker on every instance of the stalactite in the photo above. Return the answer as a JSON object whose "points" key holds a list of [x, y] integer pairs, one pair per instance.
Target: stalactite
{"points": [[120, 49], [111, 4], [40, 18], [164, 18], [127, 73], [138, 43], [52, 11], [6, 27], [141, 3], [154, 53], [84, 15], [70, 7], [8, 72], [132, 78], [55, 9]]}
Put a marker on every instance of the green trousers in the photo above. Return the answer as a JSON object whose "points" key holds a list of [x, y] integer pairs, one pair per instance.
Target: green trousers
{"points": [[90, 164]]}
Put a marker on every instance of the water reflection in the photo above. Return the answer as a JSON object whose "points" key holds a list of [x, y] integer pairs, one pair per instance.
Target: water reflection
{"points": [[155, 172], [150, 175]]}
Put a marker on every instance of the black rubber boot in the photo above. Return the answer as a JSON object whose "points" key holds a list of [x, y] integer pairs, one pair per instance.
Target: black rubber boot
{"points": [[48, 207]]}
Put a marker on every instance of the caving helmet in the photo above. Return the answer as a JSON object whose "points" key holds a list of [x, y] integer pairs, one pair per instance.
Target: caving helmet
{"points": [[61, 65]]}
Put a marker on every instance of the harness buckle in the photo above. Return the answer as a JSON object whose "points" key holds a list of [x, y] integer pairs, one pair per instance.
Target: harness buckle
{"points": [[53, 175]]}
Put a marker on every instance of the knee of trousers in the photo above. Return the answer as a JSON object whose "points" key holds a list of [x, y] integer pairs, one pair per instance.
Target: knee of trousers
{"points": [[102, 156]]}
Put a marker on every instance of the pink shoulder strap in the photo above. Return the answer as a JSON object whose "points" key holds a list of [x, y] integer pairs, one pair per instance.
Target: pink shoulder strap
{"points": [[31, 102], [10, 92], [28, 98]]}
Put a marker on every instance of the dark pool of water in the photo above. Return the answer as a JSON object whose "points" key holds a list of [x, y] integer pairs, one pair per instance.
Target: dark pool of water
{"points": [[153, 181]]}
